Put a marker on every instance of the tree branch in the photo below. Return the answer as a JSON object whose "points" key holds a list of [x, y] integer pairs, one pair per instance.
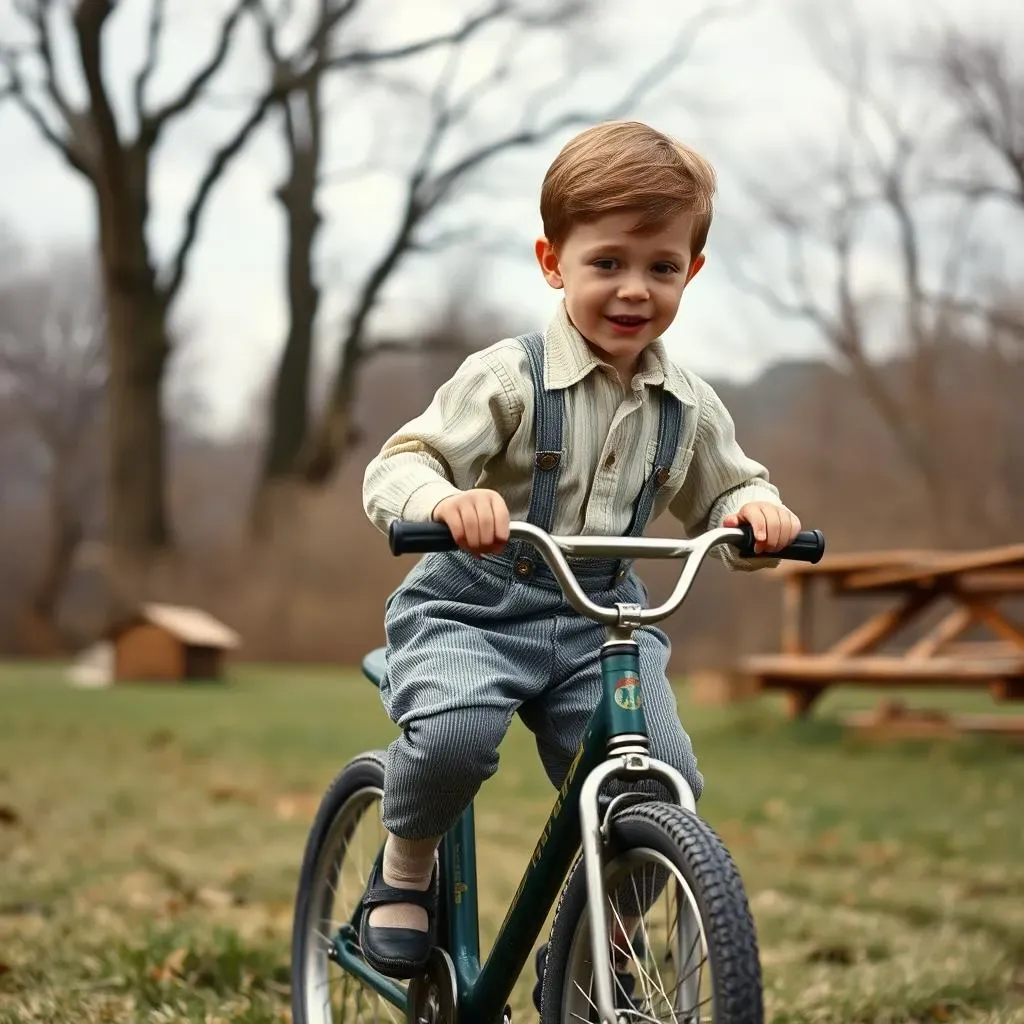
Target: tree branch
{"points": [[973, 189], [153, 122], [355, 58], [978, 76], [44, 49], [90, 16], [997, 318], [467, 234], [328, 20], [153, 37], [775, 302], [527, 135], [53, 347], [15, 90], [427, 189], [218, 164]]}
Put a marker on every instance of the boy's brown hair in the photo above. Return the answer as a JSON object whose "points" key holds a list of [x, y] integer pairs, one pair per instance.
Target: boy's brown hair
{"points": [[626, 165]]}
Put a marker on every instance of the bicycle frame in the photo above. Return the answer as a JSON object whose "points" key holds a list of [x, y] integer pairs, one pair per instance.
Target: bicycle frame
{"points": [[615, 744]]}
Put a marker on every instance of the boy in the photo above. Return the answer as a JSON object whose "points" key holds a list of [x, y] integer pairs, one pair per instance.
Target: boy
{"points": [[590, 429]]}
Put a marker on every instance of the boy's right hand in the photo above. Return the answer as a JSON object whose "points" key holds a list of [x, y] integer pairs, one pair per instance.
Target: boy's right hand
{"points": [[478, 520]]}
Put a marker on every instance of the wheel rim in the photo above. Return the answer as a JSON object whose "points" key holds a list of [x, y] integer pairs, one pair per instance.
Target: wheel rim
{"points": [[331, 995], [661, 955]]}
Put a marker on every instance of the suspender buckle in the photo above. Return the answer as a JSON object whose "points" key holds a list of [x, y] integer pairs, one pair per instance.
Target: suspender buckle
{"points": [[547, 461], [523, 567]]}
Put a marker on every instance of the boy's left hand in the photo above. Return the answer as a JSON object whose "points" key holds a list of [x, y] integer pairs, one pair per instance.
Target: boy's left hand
{"points": [[774, 525]]}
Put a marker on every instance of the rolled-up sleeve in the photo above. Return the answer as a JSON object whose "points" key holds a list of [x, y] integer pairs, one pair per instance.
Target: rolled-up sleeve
{"points": [[721, 478], [442, 451]]}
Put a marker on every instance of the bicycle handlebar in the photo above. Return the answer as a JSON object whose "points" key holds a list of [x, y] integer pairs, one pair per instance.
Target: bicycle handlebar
{"points": [[420, 538]]}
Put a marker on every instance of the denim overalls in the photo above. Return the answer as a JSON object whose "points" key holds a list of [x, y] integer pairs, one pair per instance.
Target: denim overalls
{"points": [[472, 641]]}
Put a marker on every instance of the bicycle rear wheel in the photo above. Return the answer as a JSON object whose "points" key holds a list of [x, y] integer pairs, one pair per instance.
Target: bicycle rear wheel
{"points": [[343, 842], [681, 935]]}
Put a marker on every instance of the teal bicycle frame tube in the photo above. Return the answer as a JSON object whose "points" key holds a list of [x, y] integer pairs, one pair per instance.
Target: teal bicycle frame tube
{"points": [[484, 990]]}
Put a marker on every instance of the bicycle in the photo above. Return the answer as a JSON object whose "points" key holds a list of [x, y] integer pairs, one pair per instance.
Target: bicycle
{"points": [[591, 842]]}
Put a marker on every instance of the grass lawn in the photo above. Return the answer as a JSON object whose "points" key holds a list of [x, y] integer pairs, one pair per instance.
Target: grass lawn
{"points": [[150, 840]]}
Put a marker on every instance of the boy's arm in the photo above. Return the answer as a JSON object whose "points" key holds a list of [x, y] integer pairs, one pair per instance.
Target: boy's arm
{"points": [[721, 478], [442, 451]]}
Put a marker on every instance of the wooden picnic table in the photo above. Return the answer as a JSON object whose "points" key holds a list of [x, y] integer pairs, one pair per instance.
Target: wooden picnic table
{"points": [[974, 583]]}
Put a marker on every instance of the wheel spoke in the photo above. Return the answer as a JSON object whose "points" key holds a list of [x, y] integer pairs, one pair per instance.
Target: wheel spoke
{"points": [[659, 854]]}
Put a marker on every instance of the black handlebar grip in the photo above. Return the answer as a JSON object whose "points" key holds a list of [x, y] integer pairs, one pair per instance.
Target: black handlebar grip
{"points": [[808, 546], [417, 538]]}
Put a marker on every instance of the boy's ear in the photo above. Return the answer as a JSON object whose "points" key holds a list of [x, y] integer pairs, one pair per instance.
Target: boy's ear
{"points": [[548, 260], [695, 266]]}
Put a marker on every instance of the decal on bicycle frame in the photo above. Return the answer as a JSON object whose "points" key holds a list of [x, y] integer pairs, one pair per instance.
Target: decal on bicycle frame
{"points": [[627, 693]]}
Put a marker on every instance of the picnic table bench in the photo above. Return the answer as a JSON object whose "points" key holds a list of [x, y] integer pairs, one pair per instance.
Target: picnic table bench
{"points": [[974, 583]]}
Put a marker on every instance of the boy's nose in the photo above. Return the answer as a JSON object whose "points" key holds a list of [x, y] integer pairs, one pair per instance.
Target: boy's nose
{"points": [[633, 287]]}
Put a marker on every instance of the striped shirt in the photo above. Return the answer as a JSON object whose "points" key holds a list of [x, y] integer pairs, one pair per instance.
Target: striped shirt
{"points": [[478, 432]]}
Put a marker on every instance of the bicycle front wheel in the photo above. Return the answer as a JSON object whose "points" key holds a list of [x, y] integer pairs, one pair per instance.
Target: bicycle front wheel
{"points": [[681, 935]]}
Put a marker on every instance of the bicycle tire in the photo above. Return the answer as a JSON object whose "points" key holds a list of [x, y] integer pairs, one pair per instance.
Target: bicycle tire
{"points": [[692, 846], [363, 774]]}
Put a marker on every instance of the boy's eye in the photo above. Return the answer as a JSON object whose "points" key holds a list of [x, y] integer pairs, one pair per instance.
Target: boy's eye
{"points": [[605, 263], [665, 268]]}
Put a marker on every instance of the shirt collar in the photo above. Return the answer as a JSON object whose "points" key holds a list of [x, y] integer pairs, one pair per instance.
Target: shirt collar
{"points": [[568, 359]]}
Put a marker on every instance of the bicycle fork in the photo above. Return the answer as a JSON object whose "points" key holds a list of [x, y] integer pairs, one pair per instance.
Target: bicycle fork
{"points": [[629, 759]]}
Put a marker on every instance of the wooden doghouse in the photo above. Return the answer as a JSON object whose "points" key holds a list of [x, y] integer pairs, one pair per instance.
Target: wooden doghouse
{"points": [[170, 643]]}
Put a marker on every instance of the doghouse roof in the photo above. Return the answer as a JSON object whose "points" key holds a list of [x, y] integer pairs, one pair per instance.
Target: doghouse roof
{"points": [[191, 626]]}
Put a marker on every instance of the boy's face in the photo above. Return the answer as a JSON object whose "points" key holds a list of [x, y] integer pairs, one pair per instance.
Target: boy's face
{"points": [[622, 289]]}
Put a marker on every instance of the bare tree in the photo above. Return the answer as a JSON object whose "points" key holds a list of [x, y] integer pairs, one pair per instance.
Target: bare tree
{"points": [[456, 144], [301, 117], [53, 374], [878, 254], [116, 159], [982, 83], [982, 78]]}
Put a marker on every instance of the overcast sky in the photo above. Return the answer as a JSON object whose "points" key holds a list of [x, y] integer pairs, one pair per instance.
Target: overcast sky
{"points": [[750, 97]]}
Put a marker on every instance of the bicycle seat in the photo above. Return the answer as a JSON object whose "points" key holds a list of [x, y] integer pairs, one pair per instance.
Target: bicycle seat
{"points": [[374, 666]]}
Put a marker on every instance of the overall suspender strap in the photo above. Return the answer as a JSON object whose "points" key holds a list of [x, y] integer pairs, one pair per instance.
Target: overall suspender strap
{"points": [[670, 427], [548, 415], [547, 461]]}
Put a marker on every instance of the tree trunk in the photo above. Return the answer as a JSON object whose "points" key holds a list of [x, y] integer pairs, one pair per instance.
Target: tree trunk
{"points": [[335, 435], [280, 482], [137, 325], [41, 634], [289, 418], [138, 352]]}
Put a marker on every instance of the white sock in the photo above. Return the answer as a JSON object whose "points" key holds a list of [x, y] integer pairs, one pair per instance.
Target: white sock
{"points": [[408, 864]]}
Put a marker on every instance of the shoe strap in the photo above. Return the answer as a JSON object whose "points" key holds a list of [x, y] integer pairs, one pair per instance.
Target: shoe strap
{"points": [[383, 895]]}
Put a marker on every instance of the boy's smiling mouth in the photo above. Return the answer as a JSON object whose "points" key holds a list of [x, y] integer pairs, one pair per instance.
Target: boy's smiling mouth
{"points": [[626, 323]]}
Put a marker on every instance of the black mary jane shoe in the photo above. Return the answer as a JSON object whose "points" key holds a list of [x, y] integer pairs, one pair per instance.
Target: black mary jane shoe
{"points": [[400, 953]]}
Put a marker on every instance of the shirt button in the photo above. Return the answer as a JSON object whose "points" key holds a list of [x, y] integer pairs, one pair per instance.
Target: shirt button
{"points": [[610, 461]]}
